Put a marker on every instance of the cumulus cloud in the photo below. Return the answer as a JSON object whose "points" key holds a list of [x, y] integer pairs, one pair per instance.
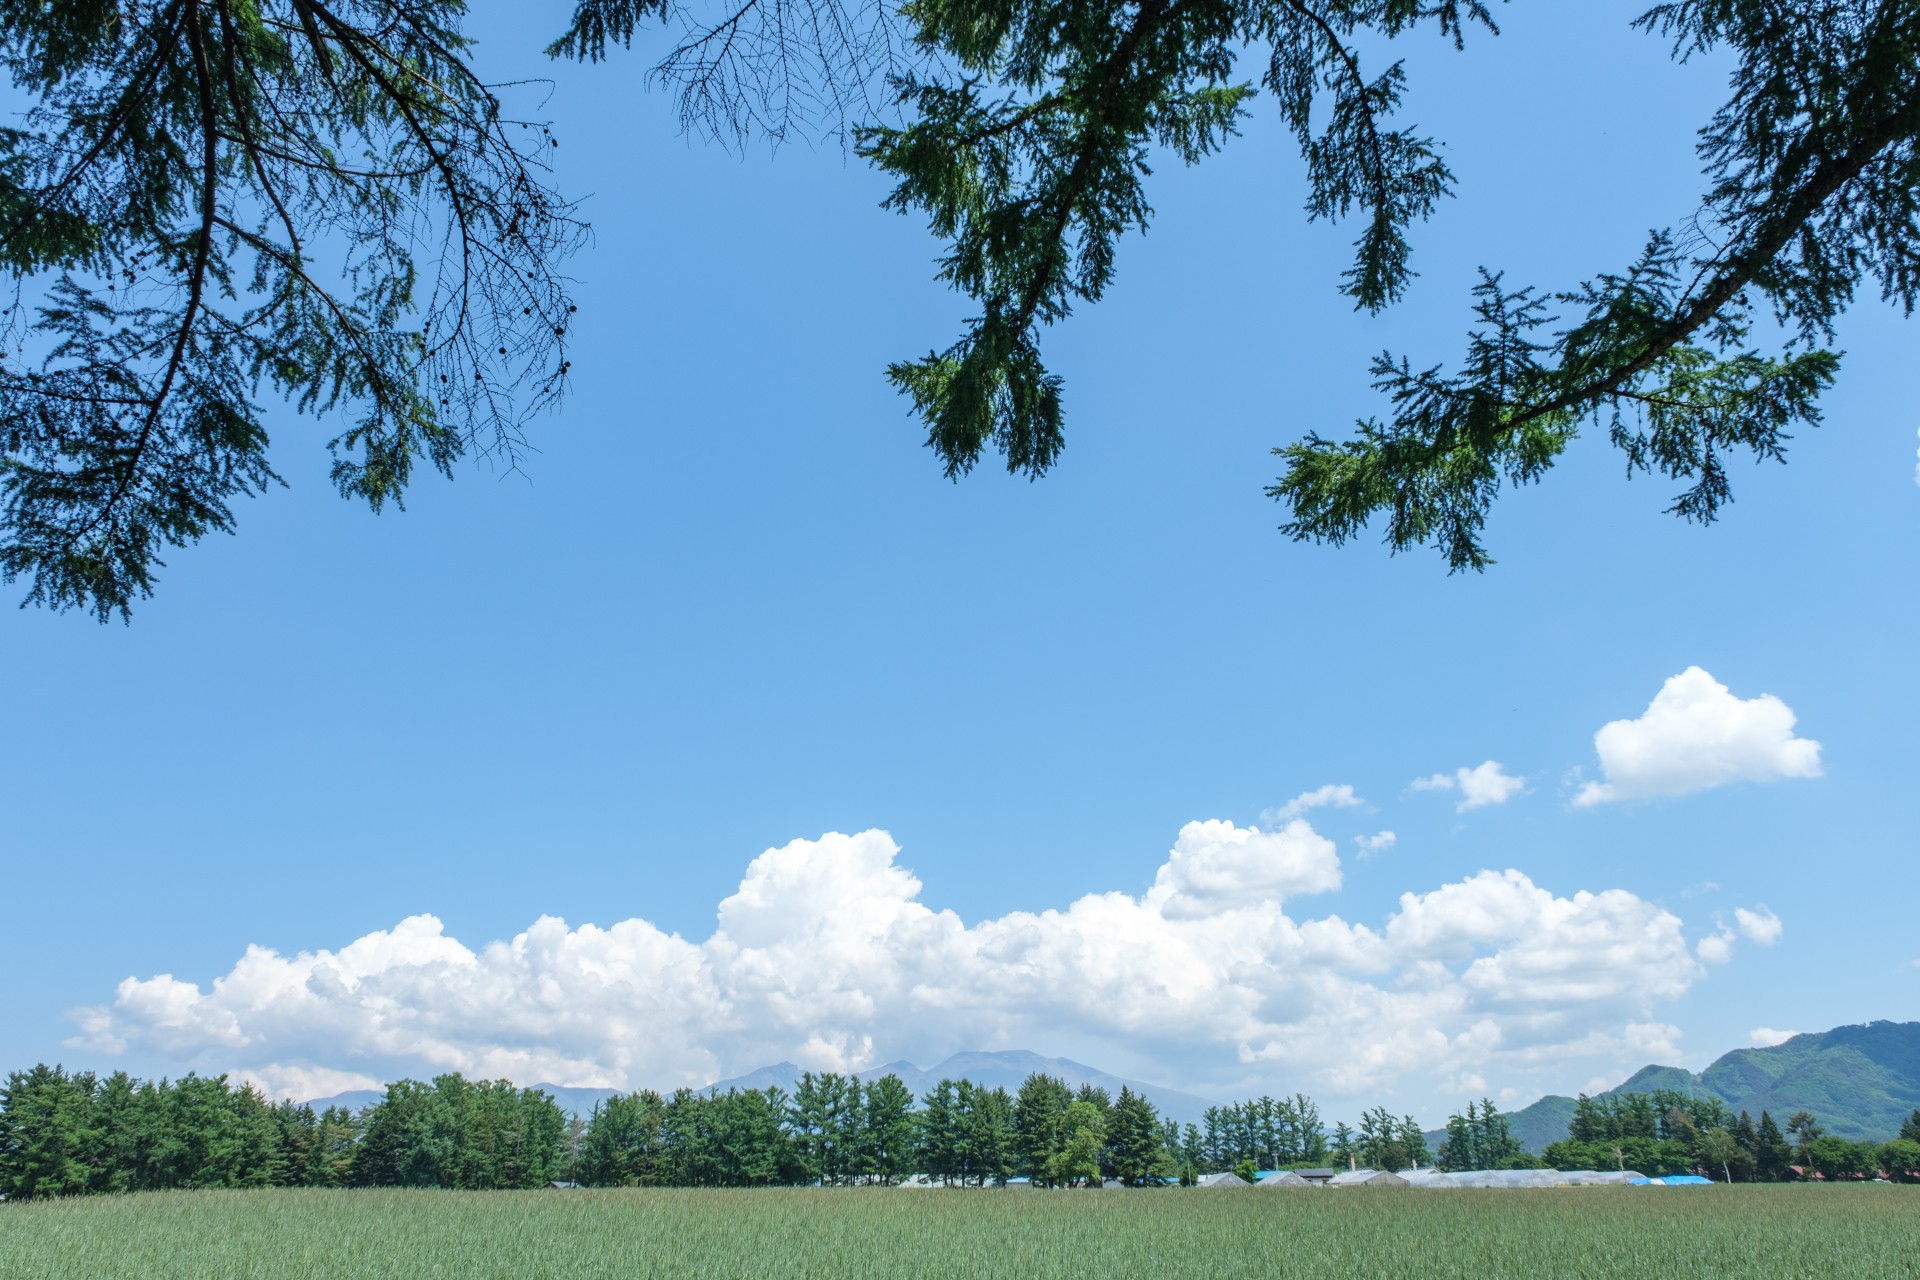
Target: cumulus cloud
{"points": [[1767, 1037], [1716, 947], [1379, 842], [1482, 785], [1338, 796], [1695, 734], [1758, 925], [826, 954]]}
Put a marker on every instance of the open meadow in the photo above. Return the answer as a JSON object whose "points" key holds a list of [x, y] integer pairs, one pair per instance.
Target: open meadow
{"points": [[1782, 1233]]}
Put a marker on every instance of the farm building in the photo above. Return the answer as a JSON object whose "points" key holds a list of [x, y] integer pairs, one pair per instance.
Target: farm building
{"points": [[1368, 1178], [1509, 1179], [1222, 1180], [1319, 1177], [1283, 1180]]}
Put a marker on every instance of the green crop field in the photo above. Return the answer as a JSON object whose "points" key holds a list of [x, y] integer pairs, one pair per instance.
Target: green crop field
{"points": [[1781, 1233]]}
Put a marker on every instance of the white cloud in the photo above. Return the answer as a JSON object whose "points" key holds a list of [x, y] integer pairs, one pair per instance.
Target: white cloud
{"points": [[1759, 925], [826, 955], [1339, 796], [303, 1083], [1717, 947], [1695, 734], [1482, 785], [1216, 866], [1767, 1037], [1379, 842]]}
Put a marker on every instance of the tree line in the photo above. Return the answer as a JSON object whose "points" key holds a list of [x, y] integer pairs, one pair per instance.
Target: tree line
{"points": [[74, 1133], [1668, 1131]]}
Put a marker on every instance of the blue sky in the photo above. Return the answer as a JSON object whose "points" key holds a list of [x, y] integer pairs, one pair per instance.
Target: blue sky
{"points": [[733, 606]]}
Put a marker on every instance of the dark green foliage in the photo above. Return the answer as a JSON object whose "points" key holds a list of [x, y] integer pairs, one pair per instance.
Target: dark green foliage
{"points": [[1481, 1139], [1274, 1134], [69, 1134], [1137, 1143], [1900, 1160], [1029, 128], [1386, 1143], [214, 203], [1028, 149], [1815, 190], [1771, 1154], [1039, 1123], [460, 1134]]}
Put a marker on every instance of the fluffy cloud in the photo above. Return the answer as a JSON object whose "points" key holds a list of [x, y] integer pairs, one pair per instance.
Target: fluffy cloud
{"points": [[1767, 1037], [1482, 785], [826, 954], [1757, 925], [1379, 842], [1696, 734], [1339, 796]]}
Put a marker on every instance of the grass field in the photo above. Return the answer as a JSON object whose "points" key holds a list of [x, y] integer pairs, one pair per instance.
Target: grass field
{"points": [[1780, 1233]]}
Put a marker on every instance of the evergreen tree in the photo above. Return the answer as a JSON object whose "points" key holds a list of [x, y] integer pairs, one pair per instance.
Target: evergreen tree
{"points": [[45, 1133], [1136, 1141], [218, 203], [1342, 1151], [1040, 1124], [1193, 1149], [889, 1128], [989, 1137], [941, 1136], [1771, 1154]]}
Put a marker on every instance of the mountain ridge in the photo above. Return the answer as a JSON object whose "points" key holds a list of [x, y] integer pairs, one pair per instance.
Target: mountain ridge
{"points": [[1860, 1080]]}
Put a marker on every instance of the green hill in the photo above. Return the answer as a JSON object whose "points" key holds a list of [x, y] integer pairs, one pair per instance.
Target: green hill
{"points": [[1860, 1081]]}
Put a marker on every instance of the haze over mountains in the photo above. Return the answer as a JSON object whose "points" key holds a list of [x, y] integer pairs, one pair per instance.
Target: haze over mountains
{"points": [[1861, 1081]]}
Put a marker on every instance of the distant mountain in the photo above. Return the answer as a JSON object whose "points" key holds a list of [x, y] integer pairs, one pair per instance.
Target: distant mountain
{"points": [[1860, 1081], [1007, 1069]]}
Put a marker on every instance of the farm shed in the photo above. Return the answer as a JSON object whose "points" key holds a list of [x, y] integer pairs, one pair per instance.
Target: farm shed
{"points": [[1368, 1178], [1319, 1177], [1283, 1180], [1598, 1178], [1222, 1180]]}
